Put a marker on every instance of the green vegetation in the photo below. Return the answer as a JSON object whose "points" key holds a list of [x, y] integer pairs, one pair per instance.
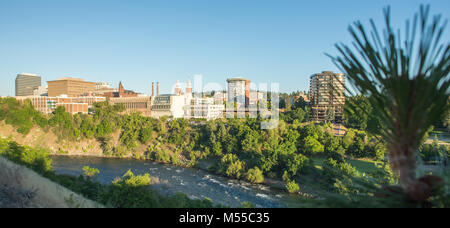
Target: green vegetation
{"points": [[255, 176], [405, 80], [90, 172], [434, 152], [237, 147], [130, 191]]}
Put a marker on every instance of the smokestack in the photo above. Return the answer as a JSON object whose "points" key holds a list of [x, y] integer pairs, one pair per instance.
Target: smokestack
{"points": [[157, 88], [153, 89]]}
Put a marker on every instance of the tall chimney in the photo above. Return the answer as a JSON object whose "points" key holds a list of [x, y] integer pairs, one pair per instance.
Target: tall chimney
{"points": [[157, 88], [153, 89]]}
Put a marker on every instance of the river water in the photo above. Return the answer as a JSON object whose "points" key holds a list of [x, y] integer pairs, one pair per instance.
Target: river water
{"points": [[197, 184]]}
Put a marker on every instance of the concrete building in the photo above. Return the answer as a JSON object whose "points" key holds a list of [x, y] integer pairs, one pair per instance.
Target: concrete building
{"points": [[27, 83], [72, 87], [238, 90], [170, 105], [327, 96], [204, 108]]}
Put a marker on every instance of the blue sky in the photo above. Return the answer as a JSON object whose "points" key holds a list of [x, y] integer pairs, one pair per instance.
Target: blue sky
{"points": [[138, 42]]}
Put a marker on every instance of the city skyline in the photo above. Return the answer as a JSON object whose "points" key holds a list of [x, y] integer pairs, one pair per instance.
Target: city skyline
{"points": [[156, 41]]}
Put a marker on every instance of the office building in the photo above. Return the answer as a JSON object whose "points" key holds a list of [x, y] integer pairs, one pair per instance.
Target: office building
{"points": [[27, 83], [72, 87]]}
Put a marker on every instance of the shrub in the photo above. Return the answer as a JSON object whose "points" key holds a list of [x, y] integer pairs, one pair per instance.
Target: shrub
{"points": [[90, 172], [255, 175], [130, 191], [231, 166], [292, 187]]}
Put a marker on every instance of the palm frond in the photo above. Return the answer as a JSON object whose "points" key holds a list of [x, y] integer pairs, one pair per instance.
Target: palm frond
{"points": [[406, 80]]}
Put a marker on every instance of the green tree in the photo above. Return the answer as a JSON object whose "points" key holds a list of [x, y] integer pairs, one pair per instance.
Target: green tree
{"points": [[312, 146]]}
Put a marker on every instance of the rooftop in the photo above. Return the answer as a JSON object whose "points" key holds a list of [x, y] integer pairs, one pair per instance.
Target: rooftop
{"points": [[237, 79], [28, 74], [68, 79]]}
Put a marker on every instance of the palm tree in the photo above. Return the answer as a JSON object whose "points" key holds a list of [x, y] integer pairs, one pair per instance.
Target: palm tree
{"points": [[406, 81]]}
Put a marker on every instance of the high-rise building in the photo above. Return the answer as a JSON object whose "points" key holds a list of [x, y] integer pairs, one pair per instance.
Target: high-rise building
{"points": [[239, 91], [72, 87], [26, 84], [327, 96]]}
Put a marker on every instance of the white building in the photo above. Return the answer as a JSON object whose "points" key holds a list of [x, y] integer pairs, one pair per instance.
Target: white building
{"points": [[204, 108], [170, 105]]}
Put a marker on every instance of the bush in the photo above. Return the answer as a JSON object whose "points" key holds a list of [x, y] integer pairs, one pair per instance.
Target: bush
{"points": [[292, 187], [90, 172], [255, 176], [231, 166], [134, 191], [130, 191]]}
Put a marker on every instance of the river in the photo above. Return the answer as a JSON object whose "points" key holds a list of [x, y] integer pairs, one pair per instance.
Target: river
{"points": [[197, 184]]}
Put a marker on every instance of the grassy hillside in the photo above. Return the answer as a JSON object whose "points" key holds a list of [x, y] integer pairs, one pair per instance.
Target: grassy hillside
{"points": [[21, 187]]}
